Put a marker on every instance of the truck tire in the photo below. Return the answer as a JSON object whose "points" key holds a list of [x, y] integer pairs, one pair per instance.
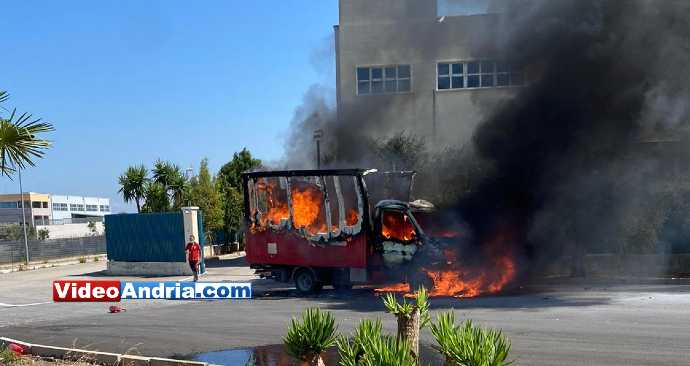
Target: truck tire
{"points": [[306, 282]]}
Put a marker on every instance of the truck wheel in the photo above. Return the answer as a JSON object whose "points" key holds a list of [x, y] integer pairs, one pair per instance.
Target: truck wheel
{"points": [[306, 282]]}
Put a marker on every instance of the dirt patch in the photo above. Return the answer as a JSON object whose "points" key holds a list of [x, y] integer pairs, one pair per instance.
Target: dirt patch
{"points": [[39, 361]]}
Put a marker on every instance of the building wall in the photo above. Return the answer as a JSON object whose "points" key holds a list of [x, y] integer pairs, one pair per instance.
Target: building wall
{"points": [[79, 206], [394, 32], [72, 230], [40, 209], [34, 215]]}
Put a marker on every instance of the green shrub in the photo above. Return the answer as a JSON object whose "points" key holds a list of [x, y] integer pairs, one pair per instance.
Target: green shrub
{"points": [[368, 347], [407, 309], [6, 356], [312, 336], [351, 351], [469, 345], [43, 234], [82, 259]]}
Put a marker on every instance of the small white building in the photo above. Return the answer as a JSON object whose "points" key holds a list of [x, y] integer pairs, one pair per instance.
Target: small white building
{"points": [[78, 207]]}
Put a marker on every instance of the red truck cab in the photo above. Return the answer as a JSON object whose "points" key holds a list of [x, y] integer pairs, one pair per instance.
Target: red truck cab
{"points": [[318, 227]]}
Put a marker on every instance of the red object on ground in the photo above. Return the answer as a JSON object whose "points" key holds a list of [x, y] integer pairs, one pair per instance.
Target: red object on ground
{"points": [[115, 309], [17, 348]]}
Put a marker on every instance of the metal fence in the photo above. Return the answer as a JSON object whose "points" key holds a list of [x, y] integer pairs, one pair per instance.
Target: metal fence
{"points": [[12, 252]]}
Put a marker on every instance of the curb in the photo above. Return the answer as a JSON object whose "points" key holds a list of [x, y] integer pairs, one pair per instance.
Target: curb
{"points": [[98, 358]]}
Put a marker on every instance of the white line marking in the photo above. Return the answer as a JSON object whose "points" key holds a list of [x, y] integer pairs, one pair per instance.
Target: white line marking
{"points": [[22, 305]]}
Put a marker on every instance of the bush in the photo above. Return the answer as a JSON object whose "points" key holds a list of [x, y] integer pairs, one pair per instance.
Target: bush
{"points": [[469, 345], [82, 259], [6, 356], [306, 340], [368, 347], [43, 234]]}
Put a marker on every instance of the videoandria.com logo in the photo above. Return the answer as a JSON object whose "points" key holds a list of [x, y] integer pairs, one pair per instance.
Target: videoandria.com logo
{"points": [[114, 291]]}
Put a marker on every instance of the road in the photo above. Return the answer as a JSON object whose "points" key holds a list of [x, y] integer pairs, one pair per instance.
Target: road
{"points": [[565, 324]]}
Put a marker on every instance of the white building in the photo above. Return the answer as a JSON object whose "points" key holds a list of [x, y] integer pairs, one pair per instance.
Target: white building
{"points": [[78, 207]]}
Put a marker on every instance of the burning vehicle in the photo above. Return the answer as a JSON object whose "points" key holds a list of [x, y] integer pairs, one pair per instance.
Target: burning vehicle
{"points": [[321, 227]]}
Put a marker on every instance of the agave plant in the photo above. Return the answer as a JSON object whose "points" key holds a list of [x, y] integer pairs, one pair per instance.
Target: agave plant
{"points": [[368, 347], [307, 339], [412, 316], [468, 344]]}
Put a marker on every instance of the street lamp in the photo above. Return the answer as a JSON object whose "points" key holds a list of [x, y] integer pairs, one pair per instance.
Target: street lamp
{"points": [[21, 193], [318, 134]]}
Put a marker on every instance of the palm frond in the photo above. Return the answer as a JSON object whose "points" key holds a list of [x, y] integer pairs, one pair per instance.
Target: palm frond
{"points": [[19, 144], [315, 333], [468, 344]]}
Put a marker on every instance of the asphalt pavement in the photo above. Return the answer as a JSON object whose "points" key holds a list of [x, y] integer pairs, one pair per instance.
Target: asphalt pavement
{"points": [[556, 324]]}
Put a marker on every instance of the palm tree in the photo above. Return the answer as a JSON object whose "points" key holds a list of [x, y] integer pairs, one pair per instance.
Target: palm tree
{"points": [[179, 188], [19, 145], [132, 184], [164, 172], [170, 176]]}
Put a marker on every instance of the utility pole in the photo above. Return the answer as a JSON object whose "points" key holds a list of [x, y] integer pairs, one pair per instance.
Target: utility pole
{"points": [[318, 134], [21, 193]]}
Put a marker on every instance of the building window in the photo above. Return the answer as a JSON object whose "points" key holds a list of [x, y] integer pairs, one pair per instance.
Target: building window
{"points": [[45, 204], [60, 207], [390, 79], [35, 204], [91, 207], [8, 205], [105, 208], [478, 74], [76, 207]]}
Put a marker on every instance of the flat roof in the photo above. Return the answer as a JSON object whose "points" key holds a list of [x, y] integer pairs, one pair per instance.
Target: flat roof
{"points": [[308, 173]]}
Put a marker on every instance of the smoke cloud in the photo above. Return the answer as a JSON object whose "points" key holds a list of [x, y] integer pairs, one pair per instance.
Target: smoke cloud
{"points": [[590, 153]]}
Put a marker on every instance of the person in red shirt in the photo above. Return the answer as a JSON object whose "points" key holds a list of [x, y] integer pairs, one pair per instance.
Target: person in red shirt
{"points": [[193, 251]]}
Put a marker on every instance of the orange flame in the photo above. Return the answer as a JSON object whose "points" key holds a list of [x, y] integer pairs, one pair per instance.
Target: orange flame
{"points": [[351, 217], [452, 279], [307, 206], [396, 226], [398, 287]]}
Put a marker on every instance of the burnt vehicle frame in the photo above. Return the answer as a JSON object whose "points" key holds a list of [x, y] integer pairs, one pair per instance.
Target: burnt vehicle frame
{"points": [[341, 256]]}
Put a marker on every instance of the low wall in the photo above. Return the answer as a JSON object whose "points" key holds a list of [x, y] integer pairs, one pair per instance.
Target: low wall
{"points": [[14, 251], [72, 230], [116, 268], [95, 357], [642, 265], [634, 265]]}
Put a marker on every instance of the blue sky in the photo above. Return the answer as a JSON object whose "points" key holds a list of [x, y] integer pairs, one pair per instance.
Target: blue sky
{"points": [[127, 82]]}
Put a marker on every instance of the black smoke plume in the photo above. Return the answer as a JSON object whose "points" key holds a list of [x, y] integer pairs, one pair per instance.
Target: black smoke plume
{"points": [[591, 154]]}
